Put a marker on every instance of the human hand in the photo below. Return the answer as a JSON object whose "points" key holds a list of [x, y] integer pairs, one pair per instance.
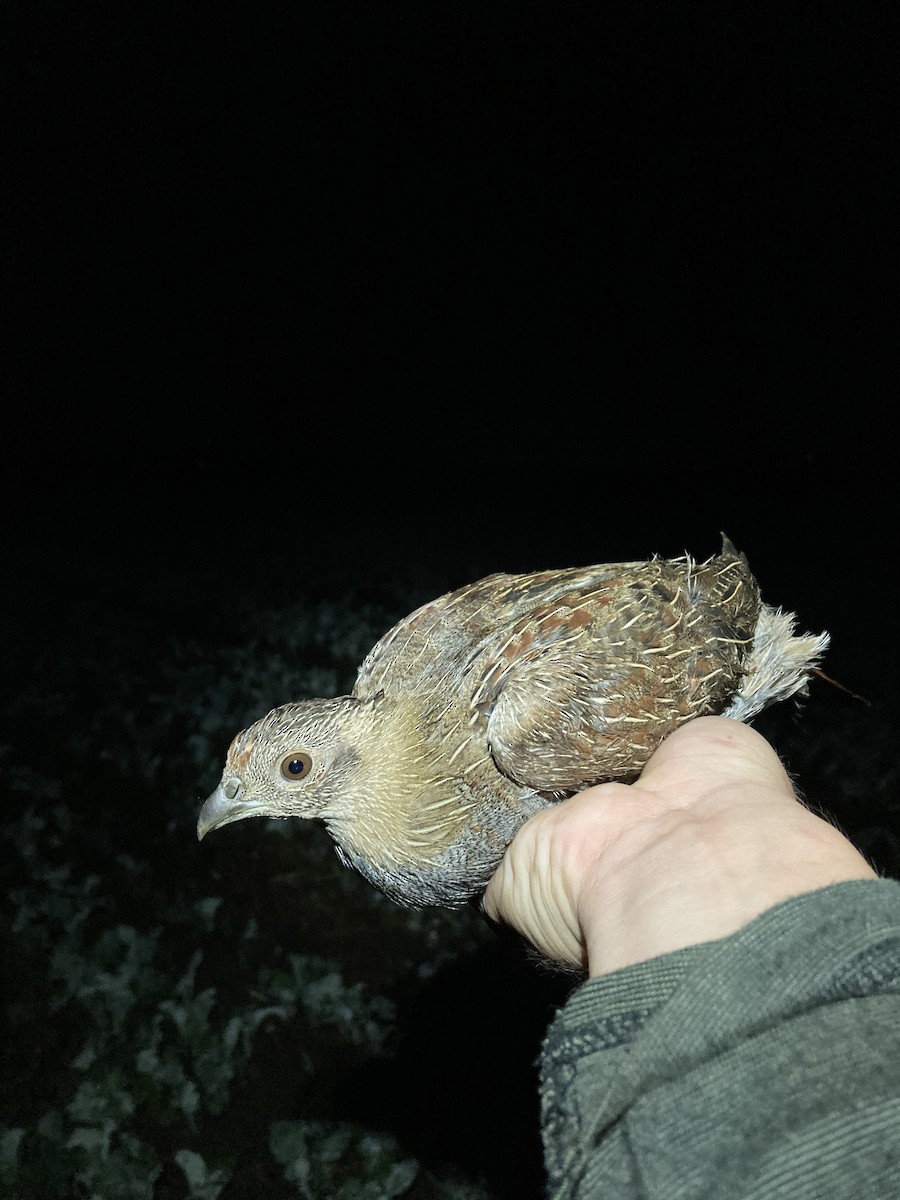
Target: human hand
{"points": [[710, 836]]}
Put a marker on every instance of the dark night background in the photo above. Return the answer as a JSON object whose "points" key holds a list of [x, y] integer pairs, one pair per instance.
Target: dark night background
{"points": [[328, 308]]}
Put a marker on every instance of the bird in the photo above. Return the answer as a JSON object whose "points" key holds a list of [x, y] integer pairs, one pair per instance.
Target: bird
{"points": [[499, 699]]}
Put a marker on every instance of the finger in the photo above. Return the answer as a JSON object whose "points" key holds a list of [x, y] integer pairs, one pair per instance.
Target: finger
{"points": [[529, 892], [710, 752]]}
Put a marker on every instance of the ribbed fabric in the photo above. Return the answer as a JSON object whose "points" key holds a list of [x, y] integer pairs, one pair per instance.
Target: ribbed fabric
{"points": [[766, 1064]]}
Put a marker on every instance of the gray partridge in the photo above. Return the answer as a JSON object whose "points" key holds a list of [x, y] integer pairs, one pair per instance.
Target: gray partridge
{"points": [[494, 701]]}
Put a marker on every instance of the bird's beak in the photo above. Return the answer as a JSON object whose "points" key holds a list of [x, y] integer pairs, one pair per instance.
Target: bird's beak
{"points": [[221, 809]]}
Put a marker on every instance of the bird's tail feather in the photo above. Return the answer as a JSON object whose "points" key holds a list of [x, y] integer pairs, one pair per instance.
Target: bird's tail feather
{"points": [[779, 664]]}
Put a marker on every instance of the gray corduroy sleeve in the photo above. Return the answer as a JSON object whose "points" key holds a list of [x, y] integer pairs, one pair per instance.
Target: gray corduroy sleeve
{"points": [[764, 1066]]}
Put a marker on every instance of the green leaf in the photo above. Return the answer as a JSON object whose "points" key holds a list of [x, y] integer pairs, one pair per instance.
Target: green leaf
{"points": [[203, 1183], [93, 1138], [10, 1139], [341, 1160], [99, 1100]]}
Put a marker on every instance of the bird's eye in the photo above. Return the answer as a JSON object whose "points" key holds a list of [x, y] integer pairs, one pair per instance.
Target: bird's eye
{"points": [[296, 765]]}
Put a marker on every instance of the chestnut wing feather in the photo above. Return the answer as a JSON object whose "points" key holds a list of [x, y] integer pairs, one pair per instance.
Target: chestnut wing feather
{"points": [[585, 689]]}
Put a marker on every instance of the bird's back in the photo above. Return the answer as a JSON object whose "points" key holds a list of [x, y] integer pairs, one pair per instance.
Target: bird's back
{"points": [[444, 638], [605, 656]]}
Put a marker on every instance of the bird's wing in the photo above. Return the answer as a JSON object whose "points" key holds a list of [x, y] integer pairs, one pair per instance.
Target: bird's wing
{"points": [[443, 639], [585, 688]]}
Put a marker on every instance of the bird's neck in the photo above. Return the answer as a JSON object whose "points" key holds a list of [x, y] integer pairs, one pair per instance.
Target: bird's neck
{"points": [[407, 800]]}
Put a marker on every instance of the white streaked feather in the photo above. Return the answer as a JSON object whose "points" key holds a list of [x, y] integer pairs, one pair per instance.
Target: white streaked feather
{"points": [[779, 664]]}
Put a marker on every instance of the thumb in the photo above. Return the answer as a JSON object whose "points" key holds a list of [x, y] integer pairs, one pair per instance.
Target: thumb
{"points": [[710, 752]]}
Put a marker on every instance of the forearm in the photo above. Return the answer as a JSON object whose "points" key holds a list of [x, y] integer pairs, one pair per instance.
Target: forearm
{"points": [[738, 1067]]}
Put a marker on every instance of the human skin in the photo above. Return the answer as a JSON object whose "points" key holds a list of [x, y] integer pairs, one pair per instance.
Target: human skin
{"points": [[710, 836]]}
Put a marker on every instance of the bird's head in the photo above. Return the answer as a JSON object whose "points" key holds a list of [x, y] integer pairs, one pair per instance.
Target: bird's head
{"points": [[298, 761]]}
